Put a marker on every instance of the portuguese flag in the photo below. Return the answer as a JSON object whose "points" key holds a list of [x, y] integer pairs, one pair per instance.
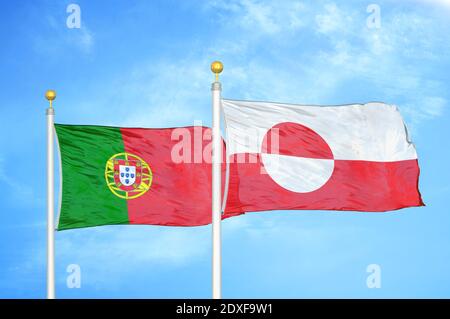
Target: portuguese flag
{"points": [[114, 176]]}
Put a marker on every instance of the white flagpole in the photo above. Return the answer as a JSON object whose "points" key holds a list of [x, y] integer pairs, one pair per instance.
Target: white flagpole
{"points": [[50, 95], [216, 68]]}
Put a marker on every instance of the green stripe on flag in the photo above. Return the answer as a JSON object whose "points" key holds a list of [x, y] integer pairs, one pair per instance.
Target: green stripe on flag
{"points": [[86, 198]]}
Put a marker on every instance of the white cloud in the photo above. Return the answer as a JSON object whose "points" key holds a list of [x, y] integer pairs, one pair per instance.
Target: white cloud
{"points": [[59, 38], [332, 20], [424, 108], [443, 3], [348, 51], [84, 39], [19, 191], [434, 106], [170, 93], [261, 17]]}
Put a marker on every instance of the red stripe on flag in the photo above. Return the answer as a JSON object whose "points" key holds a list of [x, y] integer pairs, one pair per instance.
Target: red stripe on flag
{"points": [[354, 185]]}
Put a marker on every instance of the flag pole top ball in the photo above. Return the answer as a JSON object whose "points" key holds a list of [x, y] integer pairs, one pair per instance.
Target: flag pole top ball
{"points": [[50, 95], [217, 68]]}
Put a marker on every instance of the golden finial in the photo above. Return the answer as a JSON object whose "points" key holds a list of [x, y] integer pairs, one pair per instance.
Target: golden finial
{"points": [[216, 68], [50, 95]]}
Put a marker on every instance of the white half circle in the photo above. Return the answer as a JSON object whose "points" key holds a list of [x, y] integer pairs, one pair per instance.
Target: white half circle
{"points": [[298, 174]]}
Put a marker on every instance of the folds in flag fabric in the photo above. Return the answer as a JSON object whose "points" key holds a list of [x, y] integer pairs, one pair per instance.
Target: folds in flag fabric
{"points": [[352, 157], [279, 156], [116, 175]]}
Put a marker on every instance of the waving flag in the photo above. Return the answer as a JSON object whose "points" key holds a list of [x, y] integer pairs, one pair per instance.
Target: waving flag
{"points": [[116, 175], [351, 157]]}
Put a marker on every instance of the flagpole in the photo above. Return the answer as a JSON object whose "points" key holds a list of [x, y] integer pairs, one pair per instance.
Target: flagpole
{"points": [[50, 95], [216, 88]]}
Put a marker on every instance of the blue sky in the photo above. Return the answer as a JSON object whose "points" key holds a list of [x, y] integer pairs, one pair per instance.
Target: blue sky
{"points": [[146, 63]]}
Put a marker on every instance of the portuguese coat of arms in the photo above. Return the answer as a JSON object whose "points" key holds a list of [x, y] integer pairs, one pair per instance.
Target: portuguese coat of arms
{"points": [[128, 176]]}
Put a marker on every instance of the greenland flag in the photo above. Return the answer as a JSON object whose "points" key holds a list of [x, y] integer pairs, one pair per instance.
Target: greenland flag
{"points": [[352, 157]]}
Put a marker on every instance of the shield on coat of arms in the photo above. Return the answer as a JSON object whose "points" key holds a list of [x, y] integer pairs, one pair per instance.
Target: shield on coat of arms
{"points": [[127, 174]]}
